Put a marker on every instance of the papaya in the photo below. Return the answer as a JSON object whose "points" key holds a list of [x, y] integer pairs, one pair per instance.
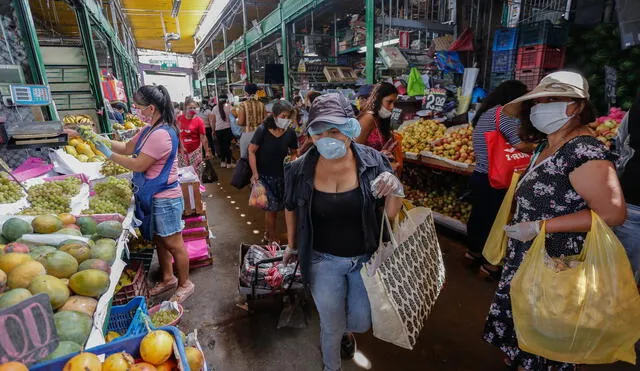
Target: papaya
{"points": [[72, 226], [106, 242], [69, 231], [3, 281], [46, 224], [39, 252], [73, 326], [15, 247], [71, 240], [23, 274], [83, 362], [67, 218], [81, 304], [60, 264], [89, 282], [14, 228], [87, 225], [94, 264], [64, 348], [11, 260], [56, 289], [85, 149], [104, 252], [78, 250], [109, 229], [13, 297]]}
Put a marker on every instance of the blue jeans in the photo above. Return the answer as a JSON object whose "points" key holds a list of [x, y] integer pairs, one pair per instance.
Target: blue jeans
{"points": [[341, 299], [629, 235]]}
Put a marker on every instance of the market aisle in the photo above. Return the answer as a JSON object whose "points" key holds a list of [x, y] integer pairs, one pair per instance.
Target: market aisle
{"points": [[236, 341]]}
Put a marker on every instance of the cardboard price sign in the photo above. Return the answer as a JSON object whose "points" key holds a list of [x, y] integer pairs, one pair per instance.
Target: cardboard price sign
{"points": [[435, 100], [396, 118], [27, 331]]}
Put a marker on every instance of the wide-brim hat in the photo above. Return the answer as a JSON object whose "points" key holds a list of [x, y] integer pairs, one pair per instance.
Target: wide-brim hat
{"points": [[557, 84]]}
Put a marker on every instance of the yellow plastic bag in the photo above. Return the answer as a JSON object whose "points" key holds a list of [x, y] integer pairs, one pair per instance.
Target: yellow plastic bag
{"points": [[583, 309], [495, 248]]}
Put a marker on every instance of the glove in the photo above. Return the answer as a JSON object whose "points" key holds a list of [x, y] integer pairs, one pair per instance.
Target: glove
{"points": [[102, 147], [524, 232], [387, 184], [289, 255]]}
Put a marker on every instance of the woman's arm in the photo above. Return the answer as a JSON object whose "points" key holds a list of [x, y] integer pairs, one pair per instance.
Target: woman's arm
{"points": [[392, 205], [290, 219], [205, 144], [138, 164], [253, 148], [212, 122], [367, 123], [119, 147]]}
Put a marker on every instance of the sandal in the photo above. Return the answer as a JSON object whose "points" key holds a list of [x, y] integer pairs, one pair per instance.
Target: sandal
{"points": [[472, 259], [183, 293], [490, 272], [162, 287]]}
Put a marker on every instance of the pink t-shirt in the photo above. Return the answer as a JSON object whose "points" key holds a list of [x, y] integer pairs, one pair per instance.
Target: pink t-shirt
{"points": [[158, 147]]}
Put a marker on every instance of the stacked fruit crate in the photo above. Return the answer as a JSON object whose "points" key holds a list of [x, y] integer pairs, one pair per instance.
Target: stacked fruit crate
{"points": [[541, 50], [503, 61]]}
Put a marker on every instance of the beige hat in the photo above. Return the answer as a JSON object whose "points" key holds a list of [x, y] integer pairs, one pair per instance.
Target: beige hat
{"points": [[556, 84]]}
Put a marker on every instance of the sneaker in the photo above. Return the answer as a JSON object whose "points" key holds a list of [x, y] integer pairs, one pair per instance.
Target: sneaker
{"points": [[223, 165], [348, 346], [231, 166]]}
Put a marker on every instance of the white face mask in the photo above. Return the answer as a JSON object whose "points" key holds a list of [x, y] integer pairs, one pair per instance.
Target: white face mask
{"points": [[282, 123], [384, 113], [550, 117]]}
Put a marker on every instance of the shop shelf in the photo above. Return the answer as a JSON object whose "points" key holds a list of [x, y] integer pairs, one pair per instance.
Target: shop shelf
{"points": [[543, 32], [498, 78], [505, 39], [540, 56], [504, 61], [531, 77]]}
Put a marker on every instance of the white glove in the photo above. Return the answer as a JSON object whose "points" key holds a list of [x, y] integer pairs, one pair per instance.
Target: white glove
{"points": [[524, 232], [387, 184], [289, 255]]}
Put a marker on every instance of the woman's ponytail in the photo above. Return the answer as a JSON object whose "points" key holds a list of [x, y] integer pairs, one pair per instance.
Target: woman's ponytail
{"points": [[158, 96], [166, 110]]}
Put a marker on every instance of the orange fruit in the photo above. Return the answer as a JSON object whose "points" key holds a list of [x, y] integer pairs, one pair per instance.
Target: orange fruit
{"points": [[67, 218], [13, 366]]}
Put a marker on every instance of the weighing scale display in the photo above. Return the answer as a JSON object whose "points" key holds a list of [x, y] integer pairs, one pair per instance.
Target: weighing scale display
{"points": [[30, 95]]}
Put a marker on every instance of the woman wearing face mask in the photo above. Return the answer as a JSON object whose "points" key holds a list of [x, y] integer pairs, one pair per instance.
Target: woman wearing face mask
{"points": [[273, 141], [193, 137], [375, 116], [570, 174], [151, 155], [336, 194]]}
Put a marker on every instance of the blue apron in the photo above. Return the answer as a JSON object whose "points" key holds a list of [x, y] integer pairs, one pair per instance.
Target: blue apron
{"points": [[145, 189]]}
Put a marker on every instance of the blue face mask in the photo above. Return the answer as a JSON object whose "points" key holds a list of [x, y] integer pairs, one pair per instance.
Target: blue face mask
{"points": [[331, 148]]}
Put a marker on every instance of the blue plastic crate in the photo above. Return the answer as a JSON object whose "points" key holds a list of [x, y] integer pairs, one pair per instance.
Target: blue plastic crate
{"points": [[505, 39], [504, 61], [127, 320], [130, 345]]}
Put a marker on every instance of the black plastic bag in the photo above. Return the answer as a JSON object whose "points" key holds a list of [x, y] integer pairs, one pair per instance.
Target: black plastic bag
{"points": [[241, 174], [209, 173]]}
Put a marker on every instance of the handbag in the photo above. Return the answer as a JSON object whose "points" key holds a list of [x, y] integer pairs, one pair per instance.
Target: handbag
{"points": [[241, 176], [404, 277], [504, 159], [495, 247], [209, 172], [579, 309]]}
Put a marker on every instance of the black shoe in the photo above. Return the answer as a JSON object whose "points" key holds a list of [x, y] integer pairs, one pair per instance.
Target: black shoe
{"points": [[348, 346]]}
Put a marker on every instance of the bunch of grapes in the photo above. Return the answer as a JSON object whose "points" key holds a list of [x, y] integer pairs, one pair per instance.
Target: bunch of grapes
{"points": [[9, 191], [87, 133], [110, 168], [112, 196], [52, 197]]}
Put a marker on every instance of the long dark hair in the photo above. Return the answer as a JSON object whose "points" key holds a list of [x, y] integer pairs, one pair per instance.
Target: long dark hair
{"points": [[503, 94], [379, 92], [529, 133], [222, 100], [158, 96]]}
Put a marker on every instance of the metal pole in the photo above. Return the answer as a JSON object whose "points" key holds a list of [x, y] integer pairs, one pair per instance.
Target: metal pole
{"points": [[215, 84], [125, 81], [244, 39], [226, 60], [370, 21], [114, 17], [285, 54], [84, 24], [335, 37]]}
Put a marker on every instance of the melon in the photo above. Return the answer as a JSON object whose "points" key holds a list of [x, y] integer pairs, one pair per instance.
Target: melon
{"points": [[83, 362], [15, 247], [70, 232], [109, 229], [67, 218], [94, 264], [87, 225], [60, 264], [78, 250], [39, 252], [46, 224], [72, 226], [106, 242], [104, 252], [13, 297], [118, 362], [3, 281], [89, 282], [13, 366], [11, 260], [64, 348], [81, 304], [14, 228], [73, 326], [56, 289], [23, 274]]}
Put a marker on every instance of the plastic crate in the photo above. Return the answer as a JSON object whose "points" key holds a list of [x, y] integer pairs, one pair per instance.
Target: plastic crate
{"points": [[138, 286], [144, 256], [505, 39], [531, 77], [127, 320], [543, 32], [500, 77], [130, 345], [540, 56], [504, 61]]}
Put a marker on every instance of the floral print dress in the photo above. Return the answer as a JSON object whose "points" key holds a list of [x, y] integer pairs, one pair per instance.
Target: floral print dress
{"points": [[544, 192]]}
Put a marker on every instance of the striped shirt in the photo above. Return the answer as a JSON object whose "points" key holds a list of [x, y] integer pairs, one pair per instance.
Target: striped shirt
{"points": [[509, 127]]}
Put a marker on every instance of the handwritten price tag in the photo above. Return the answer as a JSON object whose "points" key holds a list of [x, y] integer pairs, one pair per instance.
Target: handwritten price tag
{"points": [[435, 99], [27, 331]]}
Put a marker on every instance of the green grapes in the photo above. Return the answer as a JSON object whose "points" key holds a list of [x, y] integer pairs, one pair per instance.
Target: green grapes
{"points": [[52, 197], [10, 192], [87, 133], [164, 317], [112, 196], [111, 168]]}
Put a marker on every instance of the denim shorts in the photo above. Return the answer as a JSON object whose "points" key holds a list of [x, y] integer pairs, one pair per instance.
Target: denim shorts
{"points": [[167, 216]]}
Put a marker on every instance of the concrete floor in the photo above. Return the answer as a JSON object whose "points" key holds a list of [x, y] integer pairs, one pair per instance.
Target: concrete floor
{"points": [[234, 340]]}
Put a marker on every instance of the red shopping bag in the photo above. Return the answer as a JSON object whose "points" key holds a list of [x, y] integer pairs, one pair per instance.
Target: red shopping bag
{"points": [[503, 158]]}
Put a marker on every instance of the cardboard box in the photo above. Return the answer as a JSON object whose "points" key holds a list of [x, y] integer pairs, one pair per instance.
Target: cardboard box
{"points": [[192, 198]]}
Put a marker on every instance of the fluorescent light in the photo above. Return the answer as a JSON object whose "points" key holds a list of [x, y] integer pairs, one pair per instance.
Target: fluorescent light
{"points": [[381, 44]]}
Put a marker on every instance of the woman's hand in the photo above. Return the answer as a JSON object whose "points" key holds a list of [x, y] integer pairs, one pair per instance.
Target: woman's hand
{"points": [[387, 184], [524, 232], [289, 256], [208, 153], [254, 178]]}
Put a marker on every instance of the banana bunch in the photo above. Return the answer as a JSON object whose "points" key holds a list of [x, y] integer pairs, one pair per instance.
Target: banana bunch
{"points": [[77, 119], [133, 119]]}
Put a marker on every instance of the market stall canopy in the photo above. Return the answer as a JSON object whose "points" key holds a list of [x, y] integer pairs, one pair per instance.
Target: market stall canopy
{"points": [[154, 27]]}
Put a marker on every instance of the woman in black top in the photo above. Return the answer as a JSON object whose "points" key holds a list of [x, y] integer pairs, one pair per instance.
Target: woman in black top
{"points": [[272, 142]]}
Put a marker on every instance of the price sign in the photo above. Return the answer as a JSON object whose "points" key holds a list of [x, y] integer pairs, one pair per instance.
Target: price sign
{"points": [[610, 83], [435, 99], [27, 331], [396, 118]]}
